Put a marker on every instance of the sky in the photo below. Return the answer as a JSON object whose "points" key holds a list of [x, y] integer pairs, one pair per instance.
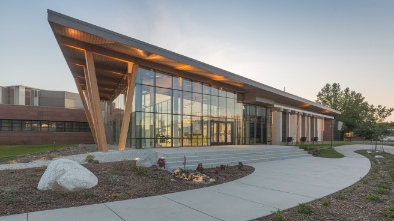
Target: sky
{"points": [[298, 45]]}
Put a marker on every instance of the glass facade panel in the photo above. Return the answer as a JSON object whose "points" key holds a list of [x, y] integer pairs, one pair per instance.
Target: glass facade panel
{"points": [[163, 100], [146, 77], [170, 111], [186, 85], [214, 106], [187, 103], [163, 80], [197, 87], [197, 104]]}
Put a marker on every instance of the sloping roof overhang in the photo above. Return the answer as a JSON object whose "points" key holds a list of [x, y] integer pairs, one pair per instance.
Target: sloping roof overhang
{"points": [[112, 51]]}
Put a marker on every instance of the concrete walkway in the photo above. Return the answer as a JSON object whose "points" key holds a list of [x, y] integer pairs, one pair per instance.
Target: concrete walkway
{"points": [[274, 185]]}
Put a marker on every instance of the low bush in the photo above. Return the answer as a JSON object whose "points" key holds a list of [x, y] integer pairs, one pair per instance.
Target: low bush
{"points": [[200, 168], [305, 209], [161, 162], [326, 202], [373, 197], [139, 170], [89, 158], [278, 215], [390, 211]]}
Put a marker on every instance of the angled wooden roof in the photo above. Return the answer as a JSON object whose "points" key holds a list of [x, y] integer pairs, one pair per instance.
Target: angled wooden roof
{"points": [[112, 51]]}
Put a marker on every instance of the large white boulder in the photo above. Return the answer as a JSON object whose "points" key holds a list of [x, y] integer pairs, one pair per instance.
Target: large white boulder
{"points": [[66, 175]]}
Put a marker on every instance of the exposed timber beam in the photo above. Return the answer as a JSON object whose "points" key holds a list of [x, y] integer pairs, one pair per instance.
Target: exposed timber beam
{"points": [[132, 70], [78, 45]]}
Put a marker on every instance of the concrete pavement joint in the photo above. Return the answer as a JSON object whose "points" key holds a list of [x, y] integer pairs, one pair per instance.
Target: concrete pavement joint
{"points": [[275, 190], [192, 208], [114, 212], [242, 199]]}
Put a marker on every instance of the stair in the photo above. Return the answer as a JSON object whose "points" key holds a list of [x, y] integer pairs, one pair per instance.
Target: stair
{"points": [[211, 159]]}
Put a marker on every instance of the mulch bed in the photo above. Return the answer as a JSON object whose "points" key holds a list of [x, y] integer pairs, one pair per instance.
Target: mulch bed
{"points": [[352, 203], [19, 194]]}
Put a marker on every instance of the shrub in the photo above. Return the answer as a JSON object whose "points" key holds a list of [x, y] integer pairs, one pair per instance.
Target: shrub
{"points": [[113, 178], [340, 196], [373, 197], [326, 202], [383, 185], [390, 211], [89, 158], [88, 193], [240, 165], [200, 168], [139, 170], [382, 190], [305, 209], [222, 167], [9, 194], [278, 215], [161, 162], [42, 198]]}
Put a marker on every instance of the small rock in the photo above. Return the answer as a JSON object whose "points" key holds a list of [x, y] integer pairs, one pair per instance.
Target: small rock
{"points": [[379, 156], [144, 162]]}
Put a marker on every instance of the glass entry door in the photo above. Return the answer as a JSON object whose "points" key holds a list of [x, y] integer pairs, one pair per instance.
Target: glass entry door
{"points": [[221, 133]]}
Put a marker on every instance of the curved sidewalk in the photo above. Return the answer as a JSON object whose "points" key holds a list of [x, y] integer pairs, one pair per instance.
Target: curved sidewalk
{"points": [[274, 185]]}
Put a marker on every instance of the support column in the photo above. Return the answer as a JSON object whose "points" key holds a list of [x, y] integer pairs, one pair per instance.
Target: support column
{"points": [[132, 70], [86, 108], [288, 124], [94, 102], [299, 127], [309, 128], [277, 138]]}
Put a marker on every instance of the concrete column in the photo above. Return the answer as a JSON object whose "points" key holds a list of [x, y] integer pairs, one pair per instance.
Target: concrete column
{"points": [[299, 127], [309, 128], [288, 124], [277, 127]]}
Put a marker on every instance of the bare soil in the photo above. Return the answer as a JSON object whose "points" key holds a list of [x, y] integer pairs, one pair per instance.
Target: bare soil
{"points": [[19, 194], [352, 203]]}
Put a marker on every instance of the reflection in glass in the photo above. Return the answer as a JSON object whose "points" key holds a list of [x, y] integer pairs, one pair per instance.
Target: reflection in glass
{"points": [[187, 103], [197, 87], [222, 107], [163, 130], [146, 77], [214, 106], [186, 85], [163, 80], [206, 101], [196, 104], [163, 100]]}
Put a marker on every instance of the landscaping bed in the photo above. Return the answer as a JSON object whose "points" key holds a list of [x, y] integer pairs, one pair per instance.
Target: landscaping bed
{"points": [[372, 198], [117, 181]]}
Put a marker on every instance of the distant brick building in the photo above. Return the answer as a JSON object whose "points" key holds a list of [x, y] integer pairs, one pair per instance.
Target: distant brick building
{"points": [[34, 116]]}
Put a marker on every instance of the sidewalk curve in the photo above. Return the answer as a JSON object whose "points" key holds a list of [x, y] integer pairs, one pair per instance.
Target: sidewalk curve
{"points": [[274, 185]]}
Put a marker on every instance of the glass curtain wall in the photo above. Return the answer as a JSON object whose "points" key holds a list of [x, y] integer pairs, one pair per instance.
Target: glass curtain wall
{"points": [[256, 122], [171, 111]]}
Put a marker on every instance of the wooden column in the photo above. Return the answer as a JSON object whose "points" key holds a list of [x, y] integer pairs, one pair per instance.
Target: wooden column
{"points": [[94, 102], [132, 70], [86, 108]]}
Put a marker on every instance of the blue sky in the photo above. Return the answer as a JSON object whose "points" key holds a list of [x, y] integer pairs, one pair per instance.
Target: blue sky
{"points": [[300, 45]]}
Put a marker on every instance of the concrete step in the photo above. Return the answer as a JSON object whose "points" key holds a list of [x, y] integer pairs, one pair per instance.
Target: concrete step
{"points": [[216, 158], [228, 157]]}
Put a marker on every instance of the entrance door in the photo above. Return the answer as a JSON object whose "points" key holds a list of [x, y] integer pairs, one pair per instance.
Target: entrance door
{"points": [[221, 133]]}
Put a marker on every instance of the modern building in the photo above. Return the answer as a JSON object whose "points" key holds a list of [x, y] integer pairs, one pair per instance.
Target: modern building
{"points": [[157, 98], [35, 116]]}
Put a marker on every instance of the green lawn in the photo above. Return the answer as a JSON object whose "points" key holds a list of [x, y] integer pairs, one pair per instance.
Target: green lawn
{"points": [[325, 150], [9, 152]]}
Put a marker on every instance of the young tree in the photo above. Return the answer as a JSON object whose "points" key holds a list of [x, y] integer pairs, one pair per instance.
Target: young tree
{"points": [[356, 114]]}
